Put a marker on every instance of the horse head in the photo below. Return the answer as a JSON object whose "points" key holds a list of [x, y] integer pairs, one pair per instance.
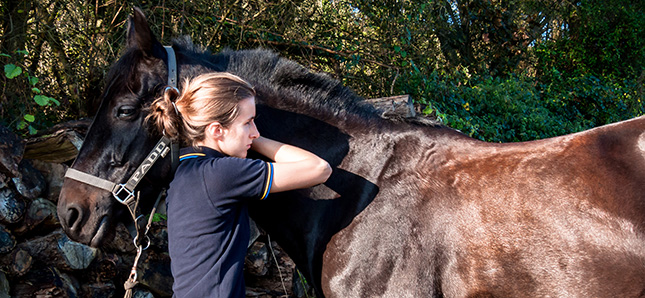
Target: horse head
{"points": [[118, 140]]}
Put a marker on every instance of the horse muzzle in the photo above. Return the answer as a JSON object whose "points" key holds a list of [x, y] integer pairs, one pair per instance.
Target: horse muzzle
{"points": [[85, 213]]}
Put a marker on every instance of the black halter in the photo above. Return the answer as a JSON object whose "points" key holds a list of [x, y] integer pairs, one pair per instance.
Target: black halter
{"points": [[124, 193]]}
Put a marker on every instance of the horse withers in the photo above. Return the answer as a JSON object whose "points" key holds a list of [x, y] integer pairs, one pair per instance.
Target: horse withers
{"points": [[413, 209]]}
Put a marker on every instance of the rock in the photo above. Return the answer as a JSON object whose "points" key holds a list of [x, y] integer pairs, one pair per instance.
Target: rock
{"points": [[54, 174], [98, 290], [278, 281], [42, 211], [41, 214], [11, 150], [7, 241], [4, 180], [141, 293], [30, 183], [104, 268], [12, 206], [122, 242], [16, 263], [158, 236], [59, 251], [154, 273], [46, 282], [77, 255], [257, 259], [4, 286]]}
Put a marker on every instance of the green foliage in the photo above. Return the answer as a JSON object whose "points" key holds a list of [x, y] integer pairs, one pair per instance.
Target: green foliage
{"points": [[519, 108], [604, 39], [11, 71], [157, 217], [497, 70], [25, 116]]}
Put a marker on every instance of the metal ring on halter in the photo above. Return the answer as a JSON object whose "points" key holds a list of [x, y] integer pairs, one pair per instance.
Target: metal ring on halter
{"points": [[136, 242], [171, 87]]}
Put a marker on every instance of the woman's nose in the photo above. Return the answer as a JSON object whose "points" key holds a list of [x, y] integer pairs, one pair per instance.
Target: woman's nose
{"points": [[254, 131]]}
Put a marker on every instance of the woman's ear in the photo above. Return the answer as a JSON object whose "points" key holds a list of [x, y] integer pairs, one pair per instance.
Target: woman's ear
{"points": [[215, 131]]}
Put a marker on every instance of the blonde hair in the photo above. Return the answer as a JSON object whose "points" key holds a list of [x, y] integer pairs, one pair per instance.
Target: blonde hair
{"points": [[207, 98]]}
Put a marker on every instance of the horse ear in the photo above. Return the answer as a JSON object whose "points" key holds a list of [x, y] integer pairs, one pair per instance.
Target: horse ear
{"points": [[139, 34]]}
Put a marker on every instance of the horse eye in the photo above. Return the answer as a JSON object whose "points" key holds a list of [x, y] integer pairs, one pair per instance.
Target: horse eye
{"points": [[125, 111]]}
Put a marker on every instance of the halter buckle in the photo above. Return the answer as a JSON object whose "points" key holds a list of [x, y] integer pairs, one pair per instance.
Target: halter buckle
{"points": [[122, 194]]}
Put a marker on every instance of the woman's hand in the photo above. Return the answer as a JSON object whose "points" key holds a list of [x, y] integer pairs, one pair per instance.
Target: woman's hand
{"points": [[293, 168]]}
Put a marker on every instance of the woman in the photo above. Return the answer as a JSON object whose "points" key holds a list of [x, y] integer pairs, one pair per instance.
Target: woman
{"points": [[208, 225]]}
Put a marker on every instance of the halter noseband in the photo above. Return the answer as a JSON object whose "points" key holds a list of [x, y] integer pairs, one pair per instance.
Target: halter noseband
{"points": [[124, 193]]}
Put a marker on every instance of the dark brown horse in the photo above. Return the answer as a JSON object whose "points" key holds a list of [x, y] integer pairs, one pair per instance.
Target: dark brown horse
{"points": [[412, 209]]}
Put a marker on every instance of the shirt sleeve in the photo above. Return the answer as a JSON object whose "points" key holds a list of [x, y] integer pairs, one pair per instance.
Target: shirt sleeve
{"points": [[234, 179]]}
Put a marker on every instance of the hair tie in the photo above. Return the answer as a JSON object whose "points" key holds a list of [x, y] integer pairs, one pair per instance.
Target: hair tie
{"points": [[168, 88], [175, 106]]}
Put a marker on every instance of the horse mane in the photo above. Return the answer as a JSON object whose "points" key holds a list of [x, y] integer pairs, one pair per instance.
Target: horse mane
{"points": [[284, 83], [300, 89]]}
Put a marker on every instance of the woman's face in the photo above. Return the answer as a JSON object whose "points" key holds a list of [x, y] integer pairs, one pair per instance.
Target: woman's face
{"points": [[238, 136]]}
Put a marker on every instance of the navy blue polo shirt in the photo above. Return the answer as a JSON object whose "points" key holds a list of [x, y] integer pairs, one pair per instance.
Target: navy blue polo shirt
{"points": [[208, 221]]}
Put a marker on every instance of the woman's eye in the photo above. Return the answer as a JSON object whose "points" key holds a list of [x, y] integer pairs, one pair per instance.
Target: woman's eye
{"points": [[125, 111]]}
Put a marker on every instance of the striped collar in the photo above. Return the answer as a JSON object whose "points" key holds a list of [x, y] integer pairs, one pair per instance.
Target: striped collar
{"points": [[195, 152]]}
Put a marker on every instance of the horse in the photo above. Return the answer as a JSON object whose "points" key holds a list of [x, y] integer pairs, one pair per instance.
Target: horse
{"points": [[412, 209]]}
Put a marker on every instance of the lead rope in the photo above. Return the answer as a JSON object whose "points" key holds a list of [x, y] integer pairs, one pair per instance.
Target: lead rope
{"points": [[277, 266], [133, 279]]}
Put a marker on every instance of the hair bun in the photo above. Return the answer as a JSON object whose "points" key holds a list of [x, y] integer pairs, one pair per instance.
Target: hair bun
{"points": [[163, 114]]}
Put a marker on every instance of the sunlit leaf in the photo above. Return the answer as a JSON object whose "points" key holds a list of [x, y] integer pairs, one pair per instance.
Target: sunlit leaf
{"points": [[12, 71], [29, 118], [56, 102], [41, 100], [33, 80], [21, 125], [157, 217]]}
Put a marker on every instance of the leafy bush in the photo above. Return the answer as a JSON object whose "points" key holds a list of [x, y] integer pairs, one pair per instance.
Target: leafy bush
{"points": [[36, 108], [518, 108], [601, 38]]}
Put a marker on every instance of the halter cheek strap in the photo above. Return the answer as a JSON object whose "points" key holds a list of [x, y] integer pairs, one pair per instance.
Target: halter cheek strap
{"points": [[124, 193]]}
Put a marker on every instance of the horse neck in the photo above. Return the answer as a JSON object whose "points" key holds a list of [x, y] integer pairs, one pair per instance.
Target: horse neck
{"points": [[304, 221]]}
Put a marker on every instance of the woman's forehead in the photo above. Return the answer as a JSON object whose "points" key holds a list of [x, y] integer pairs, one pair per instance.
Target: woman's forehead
{"points": [[247, 108]]}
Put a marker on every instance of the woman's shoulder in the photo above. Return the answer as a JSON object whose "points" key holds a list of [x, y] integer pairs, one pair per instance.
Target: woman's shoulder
{"points": [[227, 165]]}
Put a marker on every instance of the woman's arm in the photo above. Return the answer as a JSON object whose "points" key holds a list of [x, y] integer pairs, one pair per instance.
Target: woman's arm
{"points": [[294, 167]]}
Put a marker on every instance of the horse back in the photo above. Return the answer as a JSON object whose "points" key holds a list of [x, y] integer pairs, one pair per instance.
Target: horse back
{"points": [[459, 217]]}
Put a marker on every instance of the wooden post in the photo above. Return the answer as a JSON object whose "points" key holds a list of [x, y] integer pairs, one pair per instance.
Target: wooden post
{"points": [[400, 105]]}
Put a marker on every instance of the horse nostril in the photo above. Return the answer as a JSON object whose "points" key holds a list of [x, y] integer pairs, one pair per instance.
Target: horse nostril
{"points": [[74, 218]]}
